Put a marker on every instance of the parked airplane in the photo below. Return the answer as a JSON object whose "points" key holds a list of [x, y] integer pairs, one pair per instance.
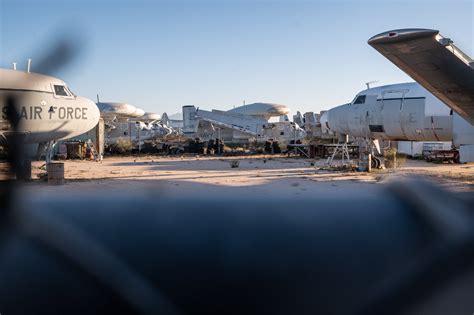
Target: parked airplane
{"points": [[261, 110], [48, 110], [137, 131], [403, 111], [125, 121], [442, 68], [241, 124]]}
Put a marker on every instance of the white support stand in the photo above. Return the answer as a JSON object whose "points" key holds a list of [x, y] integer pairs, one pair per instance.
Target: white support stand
{"points": [[343, 149]]}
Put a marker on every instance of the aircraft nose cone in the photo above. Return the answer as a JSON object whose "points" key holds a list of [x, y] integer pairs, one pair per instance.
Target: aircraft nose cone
{"points": [[337, 119], [91, 113]]}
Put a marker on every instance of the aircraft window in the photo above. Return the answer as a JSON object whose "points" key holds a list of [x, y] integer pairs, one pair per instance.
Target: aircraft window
{"points": [[376, 128], [360, 99], [61, 90], [69, 91]]}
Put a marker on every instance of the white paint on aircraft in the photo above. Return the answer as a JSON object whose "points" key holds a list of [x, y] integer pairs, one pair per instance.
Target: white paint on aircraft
{"points": [[48, 110], [403, 111]]}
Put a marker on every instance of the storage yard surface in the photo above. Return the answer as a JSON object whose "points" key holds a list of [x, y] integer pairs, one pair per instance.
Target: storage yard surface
{"points": [[256, 176]]}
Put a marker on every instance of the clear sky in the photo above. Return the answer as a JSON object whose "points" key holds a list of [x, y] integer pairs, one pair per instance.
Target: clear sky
{"points": [[160, 55]]}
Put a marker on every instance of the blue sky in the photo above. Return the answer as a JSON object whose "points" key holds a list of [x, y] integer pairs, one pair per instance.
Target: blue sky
{"points": [[160, 55]]}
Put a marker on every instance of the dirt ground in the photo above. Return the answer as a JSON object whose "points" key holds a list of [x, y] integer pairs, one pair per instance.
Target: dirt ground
{"points": [[256, 176]]}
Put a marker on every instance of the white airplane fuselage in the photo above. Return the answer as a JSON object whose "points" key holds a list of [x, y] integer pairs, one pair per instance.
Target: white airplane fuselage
{"points": [[403, 111], [136, 131], [47, 109], [240, 125]]}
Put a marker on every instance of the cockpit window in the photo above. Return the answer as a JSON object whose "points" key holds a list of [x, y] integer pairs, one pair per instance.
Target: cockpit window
{"points": [[360, 99], [61, 90]]}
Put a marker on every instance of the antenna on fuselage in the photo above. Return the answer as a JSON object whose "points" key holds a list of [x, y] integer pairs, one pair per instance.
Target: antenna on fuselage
{"points": [[98, 101], [14, 66], [369, 83], [28, 68]]}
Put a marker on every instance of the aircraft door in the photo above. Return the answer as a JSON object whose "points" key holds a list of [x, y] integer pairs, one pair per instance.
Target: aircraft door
{"points": [[364, 114], [393, 102], [413, 118], [374, 120]]}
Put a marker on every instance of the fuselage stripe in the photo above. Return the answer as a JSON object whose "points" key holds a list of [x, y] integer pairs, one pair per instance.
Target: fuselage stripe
{"points": [[26, 90]]}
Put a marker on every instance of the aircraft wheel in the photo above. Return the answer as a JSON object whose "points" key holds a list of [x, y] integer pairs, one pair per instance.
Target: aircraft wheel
{"points": [[373, 162], [376, 162]]}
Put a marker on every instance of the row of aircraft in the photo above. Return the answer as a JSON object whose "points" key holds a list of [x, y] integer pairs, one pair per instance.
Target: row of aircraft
{"points": [[438, 107], [49, 112]]}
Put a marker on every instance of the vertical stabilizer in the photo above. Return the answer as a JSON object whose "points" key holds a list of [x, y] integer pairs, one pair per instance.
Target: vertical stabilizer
{"points": [[299, 119], [165, 119], [190, 121]]}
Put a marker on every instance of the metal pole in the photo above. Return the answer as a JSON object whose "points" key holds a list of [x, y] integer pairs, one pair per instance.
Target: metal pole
{"points": [[218, 140], [294, 142], [139, 144], [130, 136]]}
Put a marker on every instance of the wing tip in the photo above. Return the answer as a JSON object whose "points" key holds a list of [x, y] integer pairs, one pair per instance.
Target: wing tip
{"points": [[401, 35]]}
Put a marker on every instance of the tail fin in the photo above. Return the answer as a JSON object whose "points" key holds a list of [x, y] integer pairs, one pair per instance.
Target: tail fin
{"points": [[165, 119], [310, 118], [298, 118], [190, 121]]}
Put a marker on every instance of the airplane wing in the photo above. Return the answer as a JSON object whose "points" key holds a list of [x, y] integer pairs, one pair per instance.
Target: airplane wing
{"points": [[433, 61]]}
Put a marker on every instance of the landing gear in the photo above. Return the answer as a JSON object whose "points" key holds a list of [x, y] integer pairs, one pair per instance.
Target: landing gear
{"points": [[49, 151], [373, 147], [368, 149], [46, 148], [376, 162]]}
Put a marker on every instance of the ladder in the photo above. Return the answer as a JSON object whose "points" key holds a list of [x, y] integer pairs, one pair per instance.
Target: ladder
{"points": [[94, 152]]}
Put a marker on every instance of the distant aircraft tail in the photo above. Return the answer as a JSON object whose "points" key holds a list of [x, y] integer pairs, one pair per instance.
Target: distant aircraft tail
{"points": [[190, 120], [165, 119], [299, 119], [310, 118]]}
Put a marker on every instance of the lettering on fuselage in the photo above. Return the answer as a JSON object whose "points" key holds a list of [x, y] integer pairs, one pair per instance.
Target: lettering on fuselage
{"points": [[50, 113]]}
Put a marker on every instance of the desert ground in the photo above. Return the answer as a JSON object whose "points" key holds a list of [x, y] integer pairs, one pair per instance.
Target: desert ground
{"points": [[266, 176]]}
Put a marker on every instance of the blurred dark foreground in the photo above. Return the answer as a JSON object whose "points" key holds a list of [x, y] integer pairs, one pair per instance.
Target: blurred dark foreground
{"points": [[410, 250]]}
